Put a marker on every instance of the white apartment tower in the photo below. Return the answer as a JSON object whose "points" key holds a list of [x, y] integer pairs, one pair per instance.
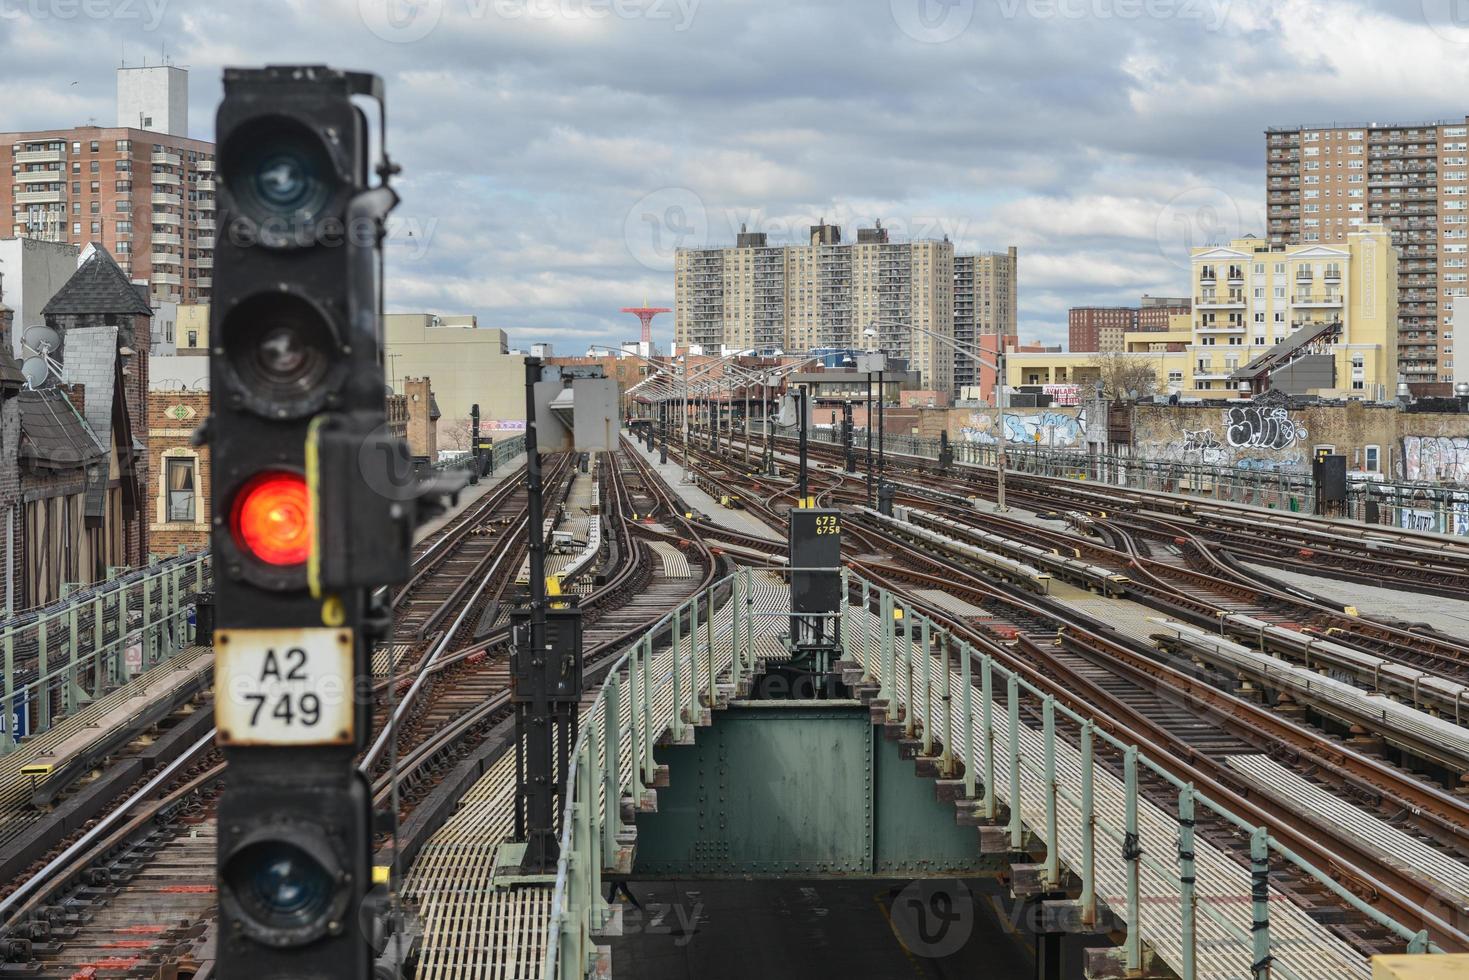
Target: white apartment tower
{"points": [[821, 294]]}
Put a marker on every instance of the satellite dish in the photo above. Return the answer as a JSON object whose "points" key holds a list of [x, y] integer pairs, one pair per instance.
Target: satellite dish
{"points": [[36, 370], [41, 339]]}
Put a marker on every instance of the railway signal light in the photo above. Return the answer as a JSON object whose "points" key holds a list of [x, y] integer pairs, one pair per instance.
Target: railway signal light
{"points": [[308, 517]]}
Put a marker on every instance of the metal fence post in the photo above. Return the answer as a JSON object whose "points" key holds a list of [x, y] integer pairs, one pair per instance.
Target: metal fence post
{"points": [[71, 699], [676, 723], [1186, 893], [946, 758], [649, 736], [749, 620], [966, 720], [1088, 831], [98, 658], [925, 694], [911, 675], [634, 718], [1017, 830], [844, 624], [1132, 853], [709, 648], [987, 715], [1260, 901], [611, 769], [889, 686], [736, 654], [120, 667], [590, 851], [1053, 851]]}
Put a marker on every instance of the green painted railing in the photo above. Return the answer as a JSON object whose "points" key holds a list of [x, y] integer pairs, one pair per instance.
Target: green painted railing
{"points": [[504, 450], [1003, 760], [63, 655]]}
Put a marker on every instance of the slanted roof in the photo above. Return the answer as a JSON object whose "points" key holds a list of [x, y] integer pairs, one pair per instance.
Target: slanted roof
{"points": [[433, 408], [98, 286], [52, 434]]}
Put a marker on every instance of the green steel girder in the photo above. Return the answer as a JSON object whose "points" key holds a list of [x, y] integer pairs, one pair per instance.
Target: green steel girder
{"points": [[799, 788]]}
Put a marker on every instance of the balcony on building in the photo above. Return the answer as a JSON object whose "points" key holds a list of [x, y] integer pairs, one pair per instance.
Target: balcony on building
{"points": [[207, 186], [40, 156], [204, 282], [166, 279], [1216, 328], [40, 177], [167, 218], [57, 196], [206, 224], [1316, 299], [172, 200], [167, 258], [204, 262], [166, 180], [204, 166], [1219, 303], [167, 158], [167, 238]]}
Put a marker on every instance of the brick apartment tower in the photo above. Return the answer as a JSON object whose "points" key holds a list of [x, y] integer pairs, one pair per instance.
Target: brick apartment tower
{"points": [[142, 188], [1322, 183]]}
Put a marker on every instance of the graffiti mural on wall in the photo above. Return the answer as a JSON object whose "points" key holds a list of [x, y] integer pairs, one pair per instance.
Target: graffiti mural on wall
{"points": [[1436, 459], [1256, 427], [1043, 428], [1255, 439]]}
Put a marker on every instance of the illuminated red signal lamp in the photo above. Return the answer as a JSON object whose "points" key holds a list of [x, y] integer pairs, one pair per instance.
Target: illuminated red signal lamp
{"points": [[271, 518]]}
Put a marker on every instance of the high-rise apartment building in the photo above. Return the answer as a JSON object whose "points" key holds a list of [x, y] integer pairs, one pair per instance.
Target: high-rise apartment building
{"points": [[1322, 184], [827, 293], [147, 196], [984, 305]]}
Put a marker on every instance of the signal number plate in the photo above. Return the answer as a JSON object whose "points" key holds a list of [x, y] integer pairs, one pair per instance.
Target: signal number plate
{"points": [[283, 686]]}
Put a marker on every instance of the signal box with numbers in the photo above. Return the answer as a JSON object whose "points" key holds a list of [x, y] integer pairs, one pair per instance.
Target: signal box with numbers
{"points": [[816, 560], [816, 580]]}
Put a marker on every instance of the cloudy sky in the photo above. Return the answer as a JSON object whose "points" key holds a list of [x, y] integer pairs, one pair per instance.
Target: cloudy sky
{"points": [[556, 151]]}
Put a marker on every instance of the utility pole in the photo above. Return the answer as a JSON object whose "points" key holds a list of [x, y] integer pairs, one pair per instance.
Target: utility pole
{"points": [[871, 499], [801, 407]]}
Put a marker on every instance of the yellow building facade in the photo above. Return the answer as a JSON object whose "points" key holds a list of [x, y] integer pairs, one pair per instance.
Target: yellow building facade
{"points": [[1317, 319], [1253, 299]]}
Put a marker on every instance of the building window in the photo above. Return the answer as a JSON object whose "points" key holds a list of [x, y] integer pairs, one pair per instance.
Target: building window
{"points": [[180, 477]]}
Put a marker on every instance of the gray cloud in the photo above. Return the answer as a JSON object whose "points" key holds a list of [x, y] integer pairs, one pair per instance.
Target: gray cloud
{"points": [[1101, 136]]}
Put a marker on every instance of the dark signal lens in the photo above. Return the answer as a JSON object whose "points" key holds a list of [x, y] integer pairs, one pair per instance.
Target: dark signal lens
{"points": [[280, 174], [279, 885], [282, 351]]}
